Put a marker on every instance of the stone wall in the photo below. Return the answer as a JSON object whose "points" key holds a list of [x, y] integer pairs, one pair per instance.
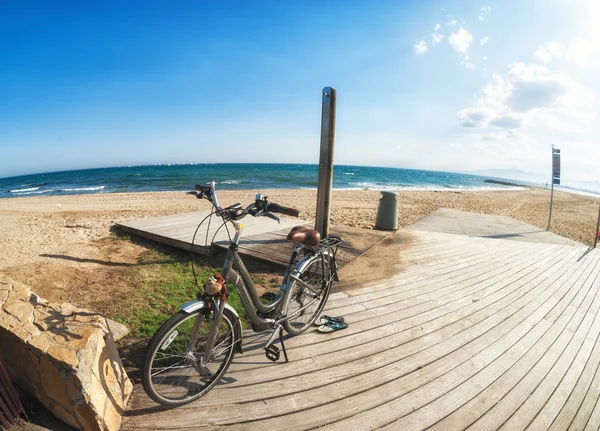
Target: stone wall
{"points": [[65, 357]]}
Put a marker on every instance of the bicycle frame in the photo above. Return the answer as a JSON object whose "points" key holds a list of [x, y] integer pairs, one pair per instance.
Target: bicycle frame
{"points": [[249, 296]]}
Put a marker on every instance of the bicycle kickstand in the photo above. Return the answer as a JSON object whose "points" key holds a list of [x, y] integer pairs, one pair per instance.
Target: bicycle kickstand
{"points": [[283, 345], [273, 353]]}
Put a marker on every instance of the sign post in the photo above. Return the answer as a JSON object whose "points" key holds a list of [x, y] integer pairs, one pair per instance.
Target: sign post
{"points": [[326, 162], [555, 179], [597, 229]]}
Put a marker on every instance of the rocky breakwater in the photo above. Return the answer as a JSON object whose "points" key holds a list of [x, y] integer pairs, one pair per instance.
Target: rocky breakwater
{"points": [[65, 357]]}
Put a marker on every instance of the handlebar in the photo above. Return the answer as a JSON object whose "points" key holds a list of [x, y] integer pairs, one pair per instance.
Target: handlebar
{"points": [[260, 207]]}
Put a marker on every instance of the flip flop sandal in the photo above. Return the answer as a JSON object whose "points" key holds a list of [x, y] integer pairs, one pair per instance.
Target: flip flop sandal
{"points": [[332, 327], [324, 320]]}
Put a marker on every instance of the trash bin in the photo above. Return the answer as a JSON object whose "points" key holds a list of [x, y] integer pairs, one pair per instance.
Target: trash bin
{"points": [[387, 214]]}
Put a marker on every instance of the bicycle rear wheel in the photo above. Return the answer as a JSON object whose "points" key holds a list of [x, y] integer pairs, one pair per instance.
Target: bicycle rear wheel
{"points": [[305, 301], [173, 373]]}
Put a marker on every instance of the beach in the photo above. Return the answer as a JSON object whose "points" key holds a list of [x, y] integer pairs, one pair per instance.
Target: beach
{"points": [[58, 244]]}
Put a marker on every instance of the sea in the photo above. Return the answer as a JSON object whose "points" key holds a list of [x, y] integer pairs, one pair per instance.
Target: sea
{"points": [[239, 176]]}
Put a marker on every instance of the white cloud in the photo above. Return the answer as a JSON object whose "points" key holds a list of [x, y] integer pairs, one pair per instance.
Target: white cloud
{"points": [[531, 95], [484, 57], [484, 40], [437, 27], [580, 51], [542, 55], [436, 38], [556, 49], [461, 40], [484, 11], [420, 47], [452, 22], [466, 61], [507, 122]]}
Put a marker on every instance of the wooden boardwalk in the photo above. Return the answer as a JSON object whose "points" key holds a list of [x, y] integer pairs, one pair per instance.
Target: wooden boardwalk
{"points": [[262, 238], [445, 220], [476, 333]]}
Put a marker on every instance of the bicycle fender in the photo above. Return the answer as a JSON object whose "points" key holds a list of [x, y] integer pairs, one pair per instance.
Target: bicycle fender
{"points": [[198, 304], [190, 307]]}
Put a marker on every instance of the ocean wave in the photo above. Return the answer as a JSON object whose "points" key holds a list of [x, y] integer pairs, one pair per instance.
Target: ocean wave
{"points": [[24, 190], [459, 188], [430, 188], [34, 192], [348, 173], [370, 186], [230, 182], [83, 189]]}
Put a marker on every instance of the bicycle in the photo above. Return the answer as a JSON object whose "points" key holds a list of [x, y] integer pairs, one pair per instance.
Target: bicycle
{"points": [[193, 349]]}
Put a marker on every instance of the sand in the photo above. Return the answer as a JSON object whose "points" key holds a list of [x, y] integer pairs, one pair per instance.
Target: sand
{"points": [[55, 242]]}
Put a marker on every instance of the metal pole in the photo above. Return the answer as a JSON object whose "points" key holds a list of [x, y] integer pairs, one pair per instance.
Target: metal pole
{"points": [[552, 190], [551, 198], [326, 162], [597, 229]]}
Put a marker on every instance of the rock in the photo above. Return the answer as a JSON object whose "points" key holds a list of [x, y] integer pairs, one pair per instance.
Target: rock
{"points": [[21, 310], [65, 357], [503, 183], [118, 330]]}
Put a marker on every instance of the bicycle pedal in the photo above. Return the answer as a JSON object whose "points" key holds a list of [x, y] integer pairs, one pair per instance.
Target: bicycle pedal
{"points": [[272, 353]]}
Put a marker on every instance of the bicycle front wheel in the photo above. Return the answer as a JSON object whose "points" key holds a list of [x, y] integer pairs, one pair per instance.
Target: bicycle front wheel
{"points": [[305, 300], [174, 373]]}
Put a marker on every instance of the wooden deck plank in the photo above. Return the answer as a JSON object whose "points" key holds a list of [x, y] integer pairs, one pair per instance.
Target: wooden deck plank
{"points": [[394, 302], [499, 320], [568, 412], [446, 331], [480, 404], [460, 222], [439, 267], [417, 327], [441, 344], [507, 405], [387, 412], [417, 281], [531, 407], [583, 415]]}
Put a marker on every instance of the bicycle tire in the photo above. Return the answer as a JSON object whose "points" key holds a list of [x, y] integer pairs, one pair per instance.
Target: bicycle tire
{"points": [[298, 296], [184, 383]]}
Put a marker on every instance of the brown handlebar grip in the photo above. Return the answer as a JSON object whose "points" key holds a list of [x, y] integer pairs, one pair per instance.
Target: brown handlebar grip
{"points": [[276, 208]]}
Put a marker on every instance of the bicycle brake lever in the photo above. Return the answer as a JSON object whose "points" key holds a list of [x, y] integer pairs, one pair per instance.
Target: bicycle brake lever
{"points": [[271, 216]]}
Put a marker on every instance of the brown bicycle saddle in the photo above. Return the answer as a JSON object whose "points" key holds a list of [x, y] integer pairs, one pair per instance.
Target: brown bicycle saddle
{"points": [[304, 236]]}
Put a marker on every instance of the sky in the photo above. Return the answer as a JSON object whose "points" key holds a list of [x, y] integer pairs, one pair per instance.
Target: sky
{"points": [[441, 85]]}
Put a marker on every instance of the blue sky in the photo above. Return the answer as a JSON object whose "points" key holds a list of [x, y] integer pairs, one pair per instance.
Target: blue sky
{"points": [[446, 85]]}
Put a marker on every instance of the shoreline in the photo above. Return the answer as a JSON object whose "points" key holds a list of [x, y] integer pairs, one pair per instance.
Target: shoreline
{"points": [[48, 193], [515, 188]]}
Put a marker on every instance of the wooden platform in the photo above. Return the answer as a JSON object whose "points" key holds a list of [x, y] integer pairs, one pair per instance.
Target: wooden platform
{"points": [[476, 333], [447, 220], [262, 238]]}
